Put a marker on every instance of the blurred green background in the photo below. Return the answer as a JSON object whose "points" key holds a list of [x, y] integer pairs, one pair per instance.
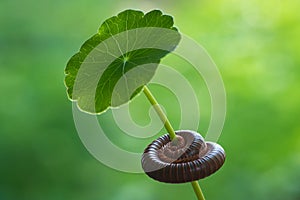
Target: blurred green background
{"points": [[256, 46]]}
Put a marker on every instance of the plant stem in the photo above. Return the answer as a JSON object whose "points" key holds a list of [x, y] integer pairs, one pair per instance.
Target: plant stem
{"points": [[198, 190], [171, 132], [160, 112]]}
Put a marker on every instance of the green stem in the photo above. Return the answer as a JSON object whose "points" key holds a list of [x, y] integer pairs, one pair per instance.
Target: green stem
{"points": [[198, 190], [171, 132], [160, 113]]}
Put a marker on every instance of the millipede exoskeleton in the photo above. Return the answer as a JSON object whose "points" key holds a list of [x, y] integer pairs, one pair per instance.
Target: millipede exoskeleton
{"points": [[184, 159]]}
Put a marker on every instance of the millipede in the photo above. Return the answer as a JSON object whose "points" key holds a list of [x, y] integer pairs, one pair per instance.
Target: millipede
{"points": [[184, 159]]}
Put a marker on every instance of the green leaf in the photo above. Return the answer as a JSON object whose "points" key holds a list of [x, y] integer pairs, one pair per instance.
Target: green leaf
{"points": [[113, 65]]}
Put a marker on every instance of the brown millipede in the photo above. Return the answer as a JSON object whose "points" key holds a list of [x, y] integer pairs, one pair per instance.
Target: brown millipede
{"points": [[187, 159]]}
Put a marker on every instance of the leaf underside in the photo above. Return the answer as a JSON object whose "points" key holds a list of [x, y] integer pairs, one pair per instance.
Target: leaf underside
{"points": [[114, 64]]}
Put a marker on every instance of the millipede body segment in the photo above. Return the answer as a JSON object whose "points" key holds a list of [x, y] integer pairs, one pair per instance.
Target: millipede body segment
{"points": [[187, 158]]}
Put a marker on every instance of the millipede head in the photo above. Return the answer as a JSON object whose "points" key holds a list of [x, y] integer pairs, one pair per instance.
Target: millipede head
{"points": [[187, 159]]}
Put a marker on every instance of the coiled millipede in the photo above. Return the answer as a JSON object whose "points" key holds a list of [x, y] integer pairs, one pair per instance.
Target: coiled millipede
{"points": [[185, 159]]}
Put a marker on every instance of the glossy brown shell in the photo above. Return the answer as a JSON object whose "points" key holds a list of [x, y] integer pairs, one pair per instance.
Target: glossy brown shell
{"points": [[187, 159]]}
